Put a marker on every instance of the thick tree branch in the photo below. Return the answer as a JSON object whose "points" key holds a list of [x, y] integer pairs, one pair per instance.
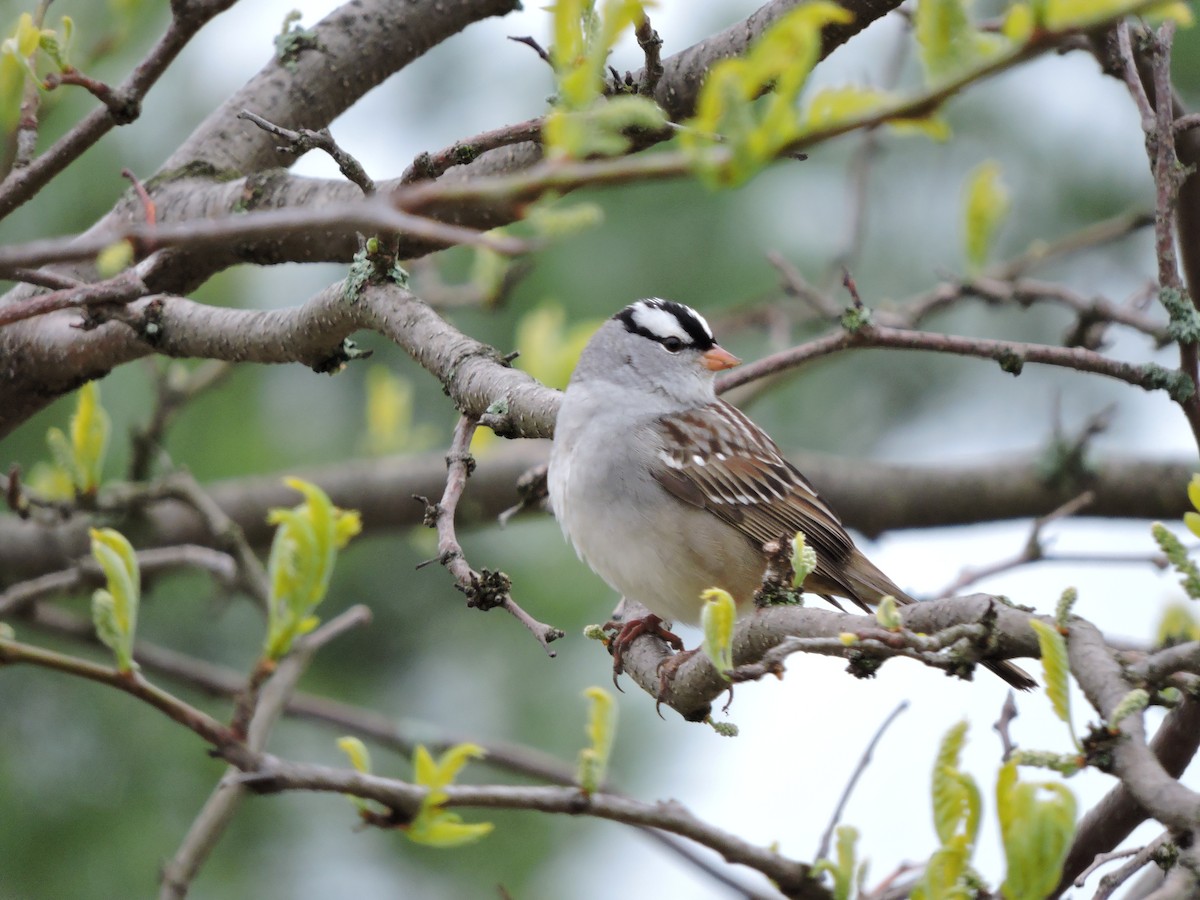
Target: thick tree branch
{"points": [[871, 497], [793, 879], [696, 682]]}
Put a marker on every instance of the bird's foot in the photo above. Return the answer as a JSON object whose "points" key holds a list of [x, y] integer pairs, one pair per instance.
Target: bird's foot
{"points": [[669, 666], [625, 633]]}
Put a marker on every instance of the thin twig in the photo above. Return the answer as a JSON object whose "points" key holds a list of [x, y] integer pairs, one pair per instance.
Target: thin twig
{"points": [[218, 811], [132, 683], [171, 395], [31, 98], [183, 486], [304, 139], [1142, 857], [1033, 551], [123, 288], [863, 762], [1011, 355], [651, 45], [1008, 712], [87, 573], [428, 166], [486, 589], [23, 183]]}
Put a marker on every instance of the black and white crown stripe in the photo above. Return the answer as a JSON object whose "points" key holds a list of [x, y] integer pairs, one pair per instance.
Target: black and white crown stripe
{"points": [[660, 320]]}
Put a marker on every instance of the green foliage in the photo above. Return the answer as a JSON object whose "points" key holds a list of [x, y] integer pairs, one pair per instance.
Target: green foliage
{"points": [[301, 562], [1062, 613], [601, 733], [717, 618], [1056, 670], [724, 729], [887, 613], [360, 759], [986, 204], [1066, 764], [956, 801], [846, 871], [956, 812], [1177, 555], [78, 459], [1036, 833], [115, 607], [550, 349], [434, 825], [1061, 15], [949, 43], [114, 258], [1178, 624], [1133, 702], [1191, 518], [831, 107], [26, 41], [391, 421], [727, 113], [804, 560], [584, 122]]}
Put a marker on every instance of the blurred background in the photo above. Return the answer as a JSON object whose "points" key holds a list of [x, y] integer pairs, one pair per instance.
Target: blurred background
{"points": [[96, 791]]}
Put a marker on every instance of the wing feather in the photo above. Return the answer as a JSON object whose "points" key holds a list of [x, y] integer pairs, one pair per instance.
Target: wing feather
{"points": [[742, 477]]}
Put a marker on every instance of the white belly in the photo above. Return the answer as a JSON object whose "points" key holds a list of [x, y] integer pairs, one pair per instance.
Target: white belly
{"points": [[626, 544]]}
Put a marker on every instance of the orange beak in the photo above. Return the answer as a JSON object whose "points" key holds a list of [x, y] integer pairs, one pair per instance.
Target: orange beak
{"points": [[719, 358]]}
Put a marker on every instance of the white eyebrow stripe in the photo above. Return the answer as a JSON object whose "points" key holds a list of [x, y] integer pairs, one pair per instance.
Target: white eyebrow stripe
{"points": [[659, 323]]}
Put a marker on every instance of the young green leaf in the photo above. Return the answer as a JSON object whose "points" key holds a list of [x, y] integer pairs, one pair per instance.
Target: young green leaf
{"points": [[716, 618], [1177, 625], [845, 869], [584, 122], [114, 258], [728, 111], [1177, 556], [956, 813], [955, 795], [1062, 15], [391, 422], [1056, 668], [1133, 702], [115, 607], [887, 613], [1062, 613], [601, 732], [445, 830], [804, 560], [356, 751], [949, 43], [433, 825], [830, 107], [1018, 23], [549, 348], [301, 561], [987, 203], [360, 759], [90, 428], [1036, 833]]}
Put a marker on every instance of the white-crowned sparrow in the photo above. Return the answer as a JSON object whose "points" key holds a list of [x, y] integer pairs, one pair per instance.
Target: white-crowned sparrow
{"points": [[665, 490]]}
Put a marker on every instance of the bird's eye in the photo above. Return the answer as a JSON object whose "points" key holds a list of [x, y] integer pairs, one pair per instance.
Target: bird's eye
{"points": [[672, 343]]}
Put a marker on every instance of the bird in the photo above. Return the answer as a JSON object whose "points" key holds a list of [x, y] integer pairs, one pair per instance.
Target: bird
{"points": [[665, 490]]}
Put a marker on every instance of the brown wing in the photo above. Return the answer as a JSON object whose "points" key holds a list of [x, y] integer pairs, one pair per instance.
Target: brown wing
{"points": [[742, 477]]}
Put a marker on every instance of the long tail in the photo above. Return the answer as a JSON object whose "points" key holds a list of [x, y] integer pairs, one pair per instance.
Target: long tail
{"points": [[867, 585]]}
